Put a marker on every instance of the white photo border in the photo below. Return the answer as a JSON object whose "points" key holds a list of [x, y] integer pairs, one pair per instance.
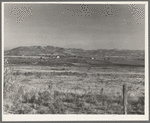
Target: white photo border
{"points": [[72, 117]]}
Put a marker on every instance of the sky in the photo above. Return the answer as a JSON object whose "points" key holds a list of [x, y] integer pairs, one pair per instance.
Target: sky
{"points": [[86, 26]]}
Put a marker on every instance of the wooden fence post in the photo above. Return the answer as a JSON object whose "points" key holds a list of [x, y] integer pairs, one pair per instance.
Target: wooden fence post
{"points": [[102, 93], [125, 96]]}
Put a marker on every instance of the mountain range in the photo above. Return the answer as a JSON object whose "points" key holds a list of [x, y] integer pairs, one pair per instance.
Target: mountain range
{"points": [[51, 50]]}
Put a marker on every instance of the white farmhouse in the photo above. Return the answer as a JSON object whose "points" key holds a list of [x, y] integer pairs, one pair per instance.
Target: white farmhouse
{"points": [[58, 57]]}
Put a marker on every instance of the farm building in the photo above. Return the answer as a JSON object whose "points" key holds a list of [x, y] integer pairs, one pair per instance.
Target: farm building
{"points": [[58, 57]]}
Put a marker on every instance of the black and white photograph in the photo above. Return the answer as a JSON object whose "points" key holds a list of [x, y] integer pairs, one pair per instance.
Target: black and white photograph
{"points": [[75, 61]]}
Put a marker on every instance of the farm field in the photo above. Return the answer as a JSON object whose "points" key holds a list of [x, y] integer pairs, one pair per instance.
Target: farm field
{"points": [[74, 89]]}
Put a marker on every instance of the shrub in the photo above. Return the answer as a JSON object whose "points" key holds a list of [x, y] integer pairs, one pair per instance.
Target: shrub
{"points": [[136, 106], [8, 70]]}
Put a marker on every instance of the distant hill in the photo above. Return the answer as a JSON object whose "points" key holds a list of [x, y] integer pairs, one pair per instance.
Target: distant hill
{"points": [[50, 50], [40, 50]]}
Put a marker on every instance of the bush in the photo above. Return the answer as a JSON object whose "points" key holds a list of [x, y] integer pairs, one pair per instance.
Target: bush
{"points": [[136, 106]]}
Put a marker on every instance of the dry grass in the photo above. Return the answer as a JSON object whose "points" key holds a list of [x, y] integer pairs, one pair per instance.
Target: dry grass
{"points": [[68, 103], [68, 92]]}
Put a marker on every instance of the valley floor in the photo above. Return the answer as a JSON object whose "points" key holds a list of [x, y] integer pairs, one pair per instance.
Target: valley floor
{"points": [[75, 90]]}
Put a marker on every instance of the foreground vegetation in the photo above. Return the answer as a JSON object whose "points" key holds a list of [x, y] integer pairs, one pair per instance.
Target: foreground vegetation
{"points": [[64, 103], [20, 99]]}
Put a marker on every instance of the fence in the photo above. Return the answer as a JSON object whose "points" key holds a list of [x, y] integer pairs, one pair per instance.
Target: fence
{"points": [[125, 97]]}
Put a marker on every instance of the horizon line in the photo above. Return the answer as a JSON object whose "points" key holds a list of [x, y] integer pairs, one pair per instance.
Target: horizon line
{"points": [[71, 48]]}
